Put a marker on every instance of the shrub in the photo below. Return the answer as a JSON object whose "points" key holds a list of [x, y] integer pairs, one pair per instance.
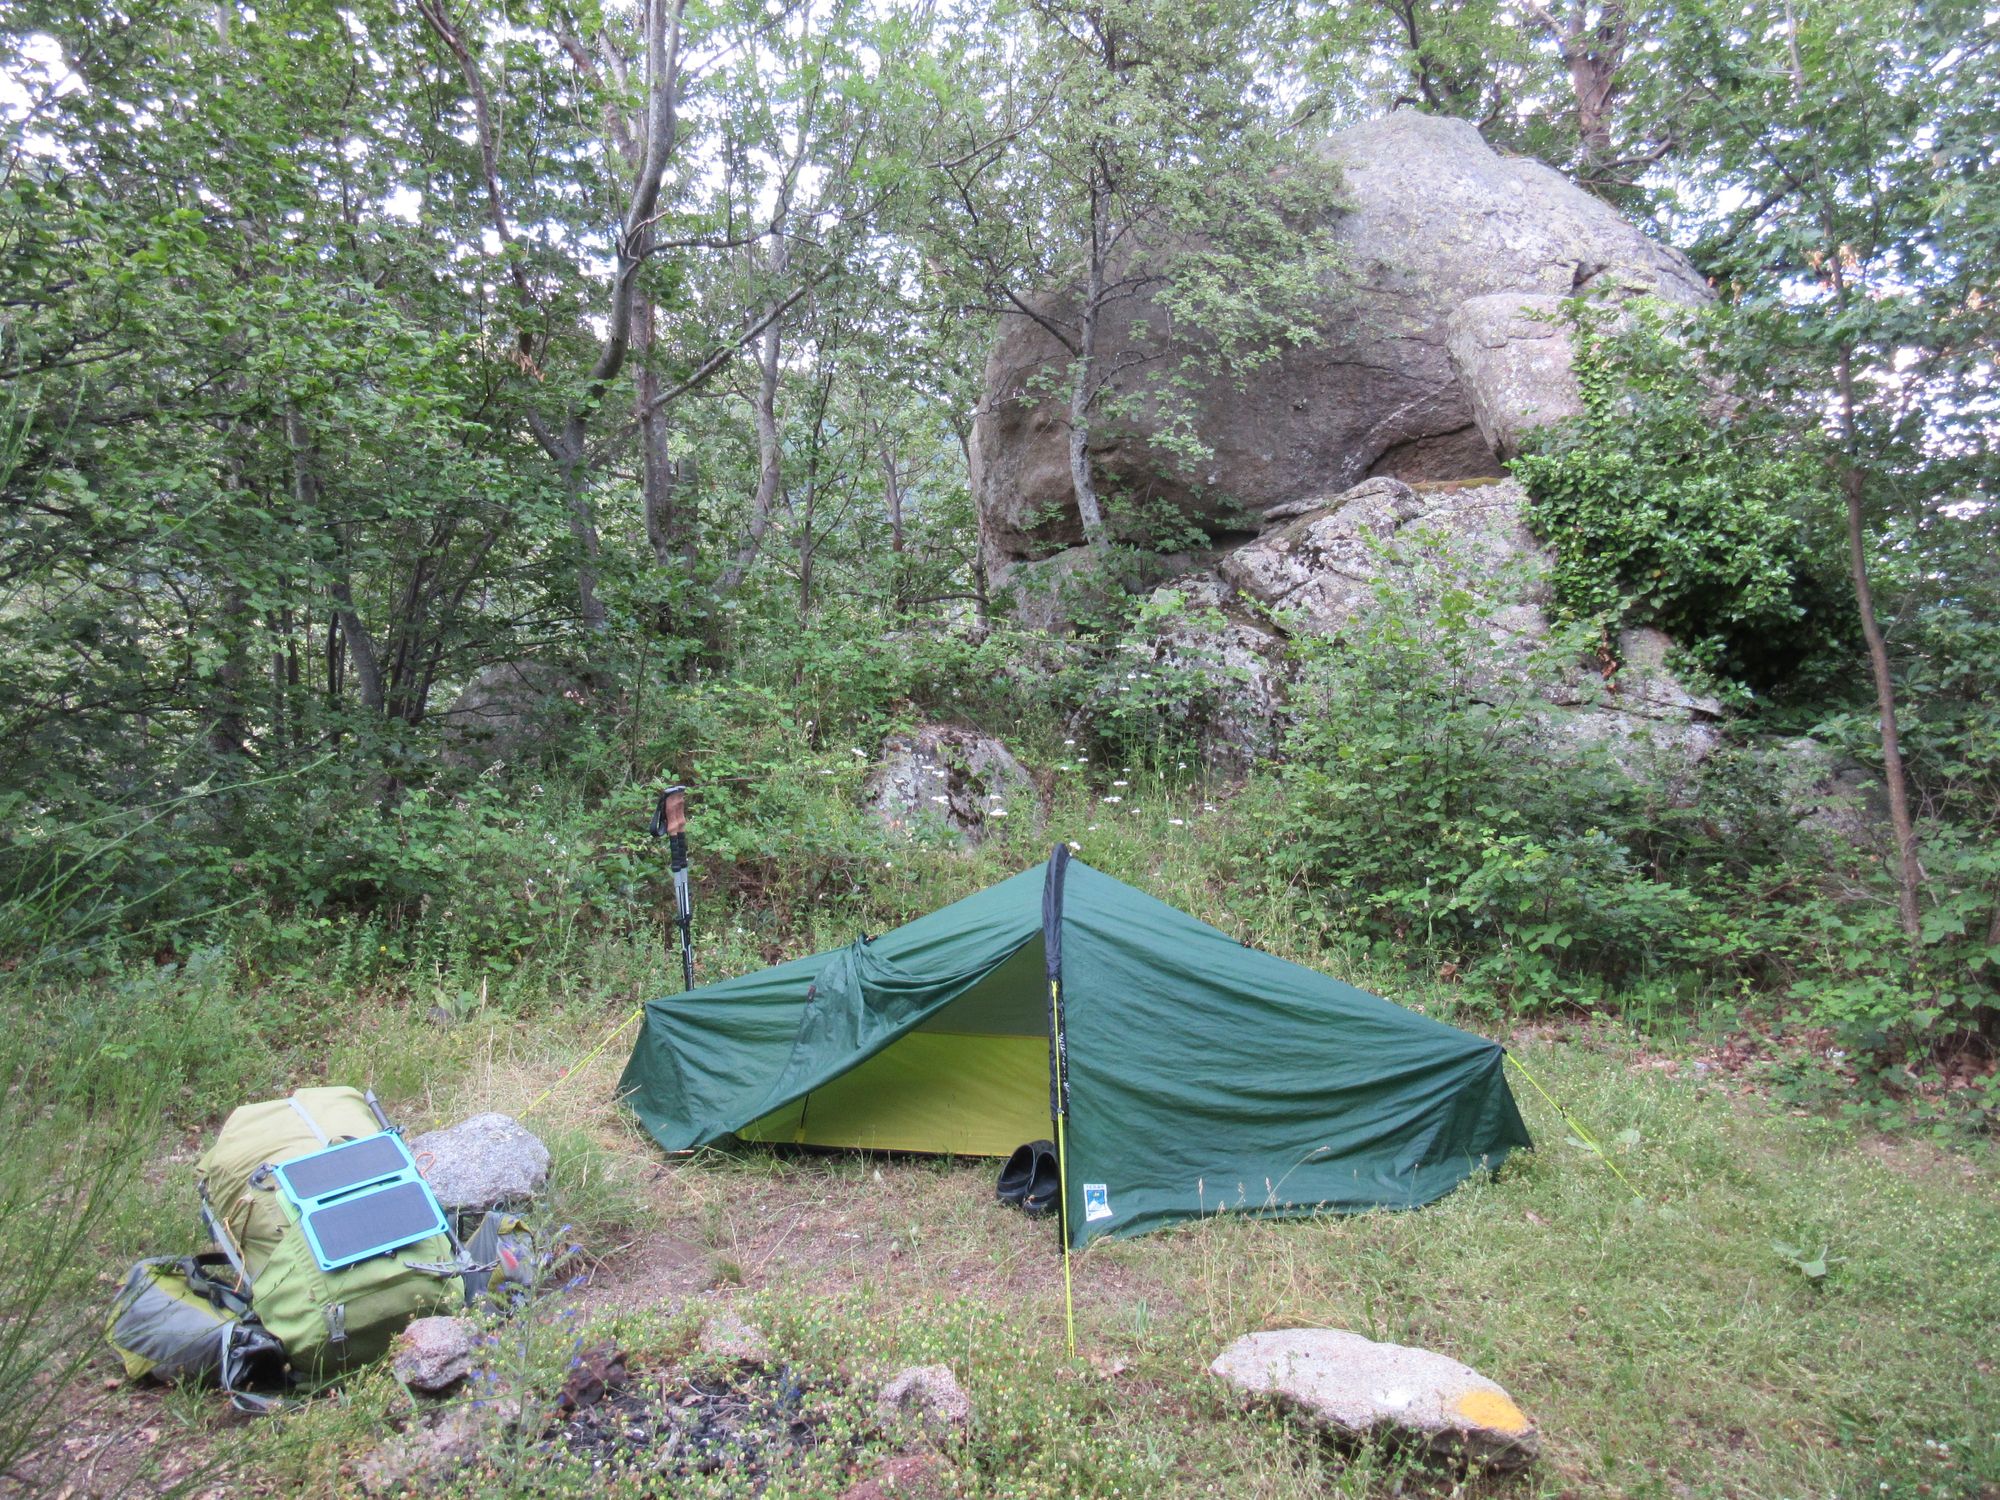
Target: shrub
{"points": [[1668, 504], [1430, 791]]}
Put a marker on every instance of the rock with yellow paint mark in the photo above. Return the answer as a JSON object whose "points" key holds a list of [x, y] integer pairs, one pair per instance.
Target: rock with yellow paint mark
{"points": [[1359, 1390]]}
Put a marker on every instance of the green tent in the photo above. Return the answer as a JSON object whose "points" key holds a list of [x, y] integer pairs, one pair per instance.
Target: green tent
{"points": [[1201, 1075]]}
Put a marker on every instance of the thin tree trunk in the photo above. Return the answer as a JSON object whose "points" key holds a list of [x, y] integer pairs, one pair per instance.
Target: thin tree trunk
{"points": [[352, 634], [1083, 380], [892, 494], [367, 670], [583, 528], [770, 456], [228, 733], [1909, 867], [657, 478]]}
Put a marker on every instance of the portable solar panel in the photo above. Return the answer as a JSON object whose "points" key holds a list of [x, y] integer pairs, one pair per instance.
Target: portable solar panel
{"points": [[349, 1165], [360, 1199]]}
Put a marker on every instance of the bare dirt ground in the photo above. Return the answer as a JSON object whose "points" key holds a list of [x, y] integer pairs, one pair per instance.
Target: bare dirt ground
{"points": [[907, 1228]]}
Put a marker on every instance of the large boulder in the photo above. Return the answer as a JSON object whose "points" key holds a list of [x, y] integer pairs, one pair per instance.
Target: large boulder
{"points": [[1435, 353], [511, 710], [943, 778], [1358, 1390], [1512, 357]]}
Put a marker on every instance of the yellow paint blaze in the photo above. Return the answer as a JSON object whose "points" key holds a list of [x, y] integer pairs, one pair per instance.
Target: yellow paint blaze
{"points": [[1491, 1409]]}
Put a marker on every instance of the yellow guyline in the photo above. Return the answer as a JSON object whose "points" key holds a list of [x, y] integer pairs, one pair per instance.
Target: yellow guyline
{"points": [[1576, 1125], [577, 1067], [1062, 1163]]}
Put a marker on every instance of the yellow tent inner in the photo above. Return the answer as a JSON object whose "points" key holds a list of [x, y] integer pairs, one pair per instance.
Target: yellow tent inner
{"points": [[973, 1080]]}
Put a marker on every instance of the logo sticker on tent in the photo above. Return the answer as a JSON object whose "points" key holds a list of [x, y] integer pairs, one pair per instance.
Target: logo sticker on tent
{"points": [[1096, 1202]]}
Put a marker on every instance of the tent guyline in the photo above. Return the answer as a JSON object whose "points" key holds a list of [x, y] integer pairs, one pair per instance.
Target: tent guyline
{"points": [[1181, 1073]]}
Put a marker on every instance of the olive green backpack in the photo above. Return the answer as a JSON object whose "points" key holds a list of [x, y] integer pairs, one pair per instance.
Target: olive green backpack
{"points": [[326, 1321], [263, 1311]]}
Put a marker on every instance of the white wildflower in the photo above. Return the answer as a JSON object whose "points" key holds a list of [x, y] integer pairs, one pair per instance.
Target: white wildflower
{"points": [[1114, 801], [1178, 822]]}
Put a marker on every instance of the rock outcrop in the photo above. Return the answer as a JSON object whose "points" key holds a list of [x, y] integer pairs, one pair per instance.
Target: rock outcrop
{"points": [[1437, 348], [1359, 1391], [947, 779], [509, 710], [1324, 570], [1238, 655]]}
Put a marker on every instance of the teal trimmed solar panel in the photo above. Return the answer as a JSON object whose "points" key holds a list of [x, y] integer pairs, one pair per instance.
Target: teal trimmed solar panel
{"points": [[360, 1199]]}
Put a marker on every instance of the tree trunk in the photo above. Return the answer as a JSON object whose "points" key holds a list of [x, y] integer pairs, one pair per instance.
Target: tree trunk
{"points": [[360, 647], [1909, 868], [1592, 76], [228, 731], [583, 528], [770, 456], [1083, 380], [1593, 53], [658, 479], [892, 494], [346, 636]]}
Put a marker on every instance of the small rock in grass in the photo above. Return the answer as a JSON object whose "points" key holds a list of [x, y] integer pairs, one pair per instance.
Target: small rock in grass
{"points": [[726, 1336], [931, 1396], [1357, 1389], [444, 1441], [485, 1162], [434, 1354], [908, 1476], [593, 1375]]}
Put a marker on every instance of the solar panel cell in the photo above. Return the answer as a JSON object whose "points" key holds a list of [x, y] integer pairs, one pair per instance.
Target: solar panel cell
{"points": [[372, 1223], [345, 1166]]}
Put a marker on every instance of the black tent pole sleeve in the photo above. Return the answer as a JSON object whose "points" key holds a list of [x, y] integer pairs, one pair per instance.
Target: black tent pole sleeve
{"points": [[1052, 904], [1052, 908]]}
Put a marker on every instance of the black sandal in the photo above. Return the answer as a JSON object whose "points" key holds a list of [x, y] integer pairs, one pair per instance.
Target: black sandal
{"points": [[1024, 1180]]}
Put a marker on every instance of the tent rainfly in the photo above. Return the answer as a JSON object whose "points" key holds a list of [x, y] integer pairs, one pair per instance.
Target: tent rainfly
{"points": [[1200, 1076]]}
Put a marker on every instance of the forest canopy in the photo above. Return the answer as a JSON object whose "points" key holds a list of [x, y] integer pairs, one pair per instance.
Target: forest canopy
{"points": [[354, 357]]}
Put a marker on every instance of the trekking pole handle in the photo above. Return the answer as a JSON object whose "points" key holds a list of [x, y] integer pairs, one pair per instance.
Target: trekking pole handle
{"points": [[670, 823]]}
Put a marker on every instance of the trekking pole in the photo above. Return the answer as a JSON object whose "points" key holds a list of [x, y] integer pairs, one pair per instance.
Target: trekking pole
{"points": [[670, 823]]}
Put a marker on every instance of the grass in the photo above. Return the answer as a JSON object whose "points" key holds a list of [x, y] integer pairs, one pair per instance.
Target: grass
{"points": [[1665, 1346]]}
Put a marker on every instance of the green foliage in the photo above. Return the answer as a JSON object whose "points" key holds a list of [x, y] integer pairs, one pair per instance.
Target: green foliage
{"points": [[1432, 791], [1150, 683], [81, 1117], [1669, 503]]}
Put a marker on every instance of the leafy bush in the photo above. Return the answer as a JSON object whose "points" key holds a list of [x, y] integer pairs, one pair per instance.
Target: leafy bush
{"points": [[1431, 790], [1151, 687], [1669, 504]]}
